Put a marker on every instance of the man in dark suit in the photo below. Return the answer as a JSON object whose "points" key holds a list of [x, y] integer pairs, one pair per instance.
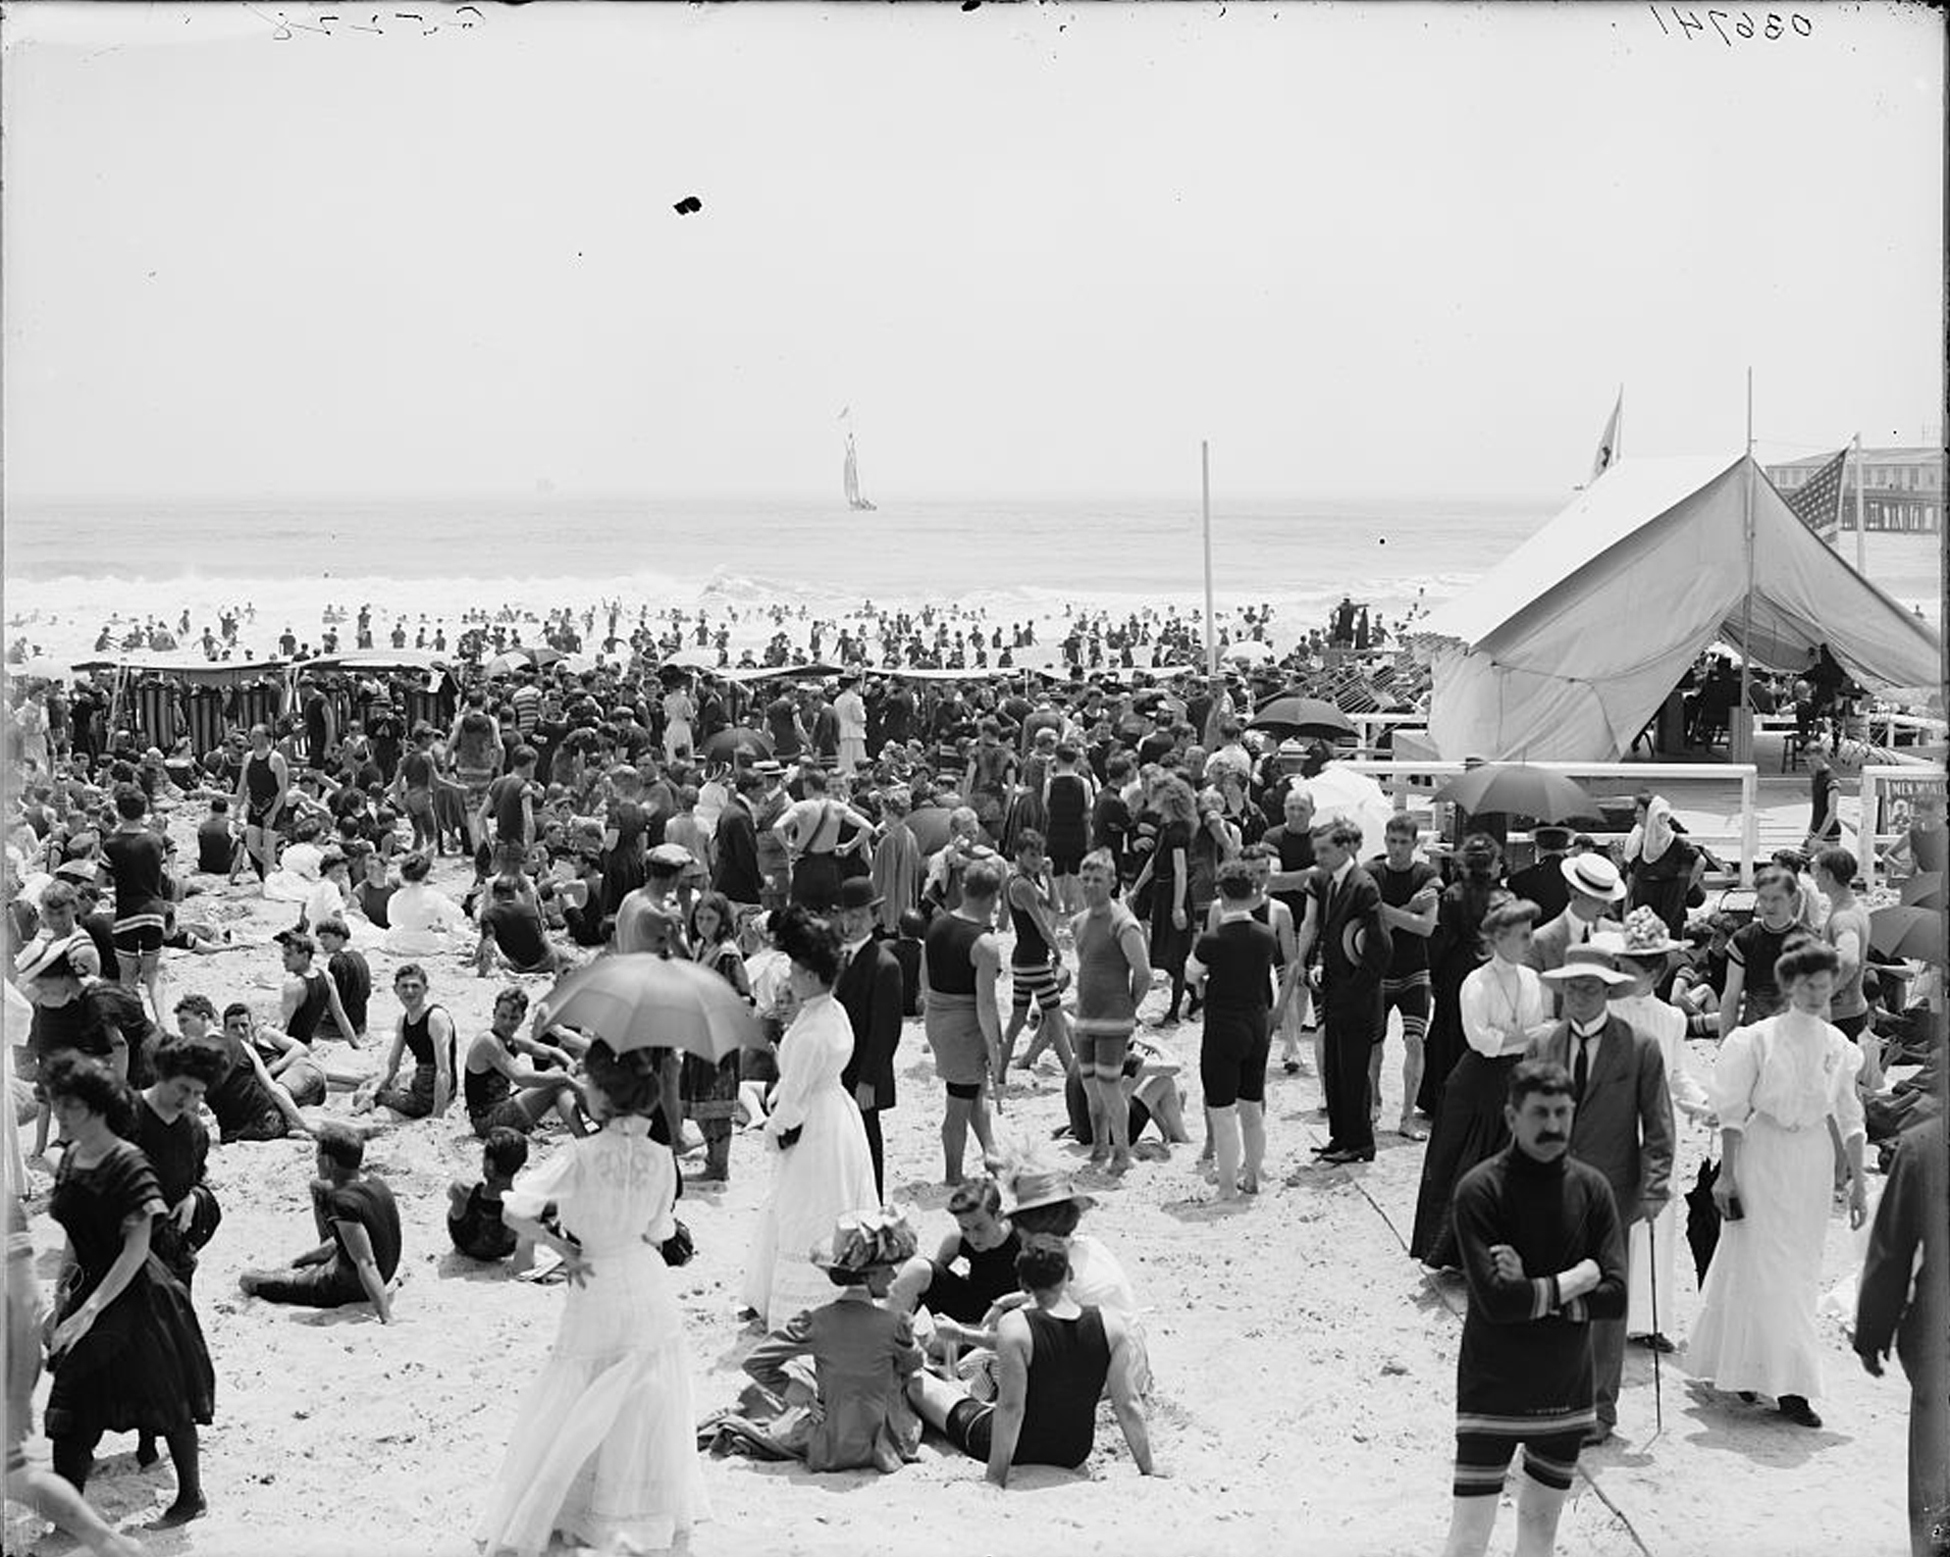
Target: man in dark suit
{"points": [[735, 871], [869, 990], [1623, 1126], [1344, 920], [1544, 883]]}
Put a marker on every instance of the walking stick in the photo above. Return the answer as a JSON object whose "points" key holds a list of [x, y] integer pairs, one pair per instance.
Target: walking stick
{"points": [[1652, 1274]]}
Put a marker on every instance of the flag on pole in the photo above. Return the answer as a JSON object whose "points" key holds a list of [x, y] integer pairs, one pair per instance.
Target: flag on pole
{"points": [[1607, 454], [1817, 502], [845, 412]]}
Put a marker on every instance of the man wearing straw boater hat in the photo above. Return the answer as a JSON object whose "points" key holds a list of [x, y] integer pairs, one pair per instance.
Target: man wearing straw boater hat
{"points": [[1596, 891], [1623, 1125]]}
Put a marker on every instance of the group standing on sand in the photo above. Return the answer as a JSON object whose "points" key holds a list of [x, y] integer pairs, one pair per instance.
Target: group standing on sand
{"points": [[845, 856]]}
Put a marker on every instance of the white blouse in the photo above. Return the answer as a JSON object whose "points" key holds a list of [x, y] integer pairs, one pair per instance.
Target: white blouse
{"points": [[1501, 1003], [1795, 1070]]}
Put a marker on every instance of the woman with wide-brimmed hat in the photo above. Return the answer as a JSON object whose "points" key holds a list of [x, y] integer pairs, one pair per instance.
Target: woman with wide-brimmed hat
{"points": [[862, 1354], [1643, 951]]}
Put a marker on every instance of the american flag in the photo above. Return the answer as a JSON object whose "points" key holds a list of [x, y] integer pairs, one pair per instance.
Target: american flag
{"points": [[1817, 502]]}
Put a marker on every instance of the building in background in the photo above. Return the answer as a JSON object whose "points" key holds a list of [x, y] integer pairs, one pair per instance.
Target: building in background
{"points": [[1902, 489]]}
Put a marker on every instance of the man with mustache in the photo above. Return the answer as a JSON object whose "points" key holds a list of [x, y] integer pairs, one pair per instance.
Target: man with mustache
{"points": [[1544, 1254]]}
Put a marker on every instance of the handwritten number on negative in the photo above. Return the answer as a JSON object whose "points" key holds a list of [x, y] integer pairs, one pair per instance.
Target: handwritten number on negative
{"points": [[1745, 26], [1772, 27], [1689, 22], [1714, 18]]}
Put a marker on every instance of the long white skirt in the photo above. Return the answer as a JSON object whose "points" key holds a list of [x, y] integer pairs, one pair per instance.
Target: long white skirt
{"points": [[604, 1446], [828, 1173], [1756, 1328]]}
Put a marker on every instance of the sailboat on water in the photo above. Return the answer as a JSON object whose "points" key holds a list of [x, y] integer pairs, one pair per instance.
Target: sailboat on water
{"points": [[852, 479]]}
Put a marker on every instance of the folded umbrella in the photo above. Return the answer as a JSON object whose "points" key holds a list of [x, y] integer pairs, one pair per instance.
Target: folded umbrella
{"points": [[1516, 788], [639, 1000]]}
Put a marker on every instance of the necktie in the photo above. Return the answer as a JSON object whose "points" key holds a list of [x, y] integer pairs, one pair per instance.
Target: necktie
{"points": [[1581, 1070]]}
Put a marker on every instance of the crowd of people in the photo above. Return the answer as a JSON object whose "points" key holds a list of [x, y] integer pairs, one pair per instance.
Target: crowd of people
{"points": [[847, 852]]}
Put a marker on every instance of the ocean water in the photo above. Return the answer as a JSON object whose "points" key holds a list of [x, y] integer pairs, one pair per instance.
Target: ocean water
{"points": [[72, 567]]}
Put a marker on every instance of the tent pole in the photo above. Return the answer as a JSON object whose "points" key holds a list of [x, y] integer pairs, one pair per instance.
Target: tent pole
{"points": [[1743, 717], [1211, 621], [1861, 559]]}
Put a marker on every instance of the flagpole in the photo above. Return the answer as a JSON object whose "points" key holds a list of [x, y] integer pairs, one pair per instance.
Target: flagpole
{"points": [[1861, 559], [1743, 718], [1211, 621]]}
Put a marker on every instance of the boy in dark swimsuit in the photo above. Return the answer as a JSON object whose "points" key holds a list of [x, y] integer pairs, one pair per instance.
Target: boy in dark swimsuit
{"points": [[474, 1210], [986, 1245], [358, 1225], [500, 1091]]}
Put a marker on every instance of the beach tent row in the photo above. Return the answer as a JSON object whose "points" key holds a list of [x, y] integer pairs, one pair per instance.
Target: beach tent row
{"points": [[1566, 649]]}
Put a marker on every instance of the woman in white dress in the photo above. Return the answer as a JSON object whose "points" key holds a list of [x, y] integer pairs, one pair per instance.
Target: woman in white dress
{"points": [[679, 711], [604, 1447], [1641, 952], [1784, 1090], [823, 1169], [422, 920]]}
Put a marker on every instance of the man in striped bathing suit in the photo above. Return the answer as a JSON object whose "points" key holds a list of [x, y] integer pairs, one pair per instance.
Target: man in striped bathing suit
{"points": [[1545, 1256]]}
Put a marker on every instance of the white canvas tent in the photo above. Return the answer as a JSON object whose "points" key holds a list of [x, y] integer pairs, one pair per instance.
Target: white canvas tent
{"points": [[1566, 648]]}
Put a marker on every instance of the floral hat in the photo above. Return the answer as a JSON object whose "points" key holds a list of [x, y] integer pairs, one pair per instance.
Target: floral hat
{"points": [[867, 1238], [1645, 935]]}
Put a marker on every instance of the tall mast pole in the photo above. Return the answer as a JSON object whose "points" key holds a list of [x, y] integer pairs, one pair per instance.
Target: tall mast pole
{"points": [[1861, 557], [1743, 719], [1211, 622]]}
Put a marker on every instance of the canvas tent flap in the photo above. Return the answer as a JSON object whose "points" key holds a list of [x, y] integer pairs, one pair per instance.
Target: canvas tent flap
{"points": [[1566, 649]]}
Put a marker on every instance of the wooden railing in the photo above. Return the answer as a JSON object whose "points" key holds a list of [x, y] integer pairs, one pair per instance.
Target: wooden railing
{"points": [[1746, 839]]}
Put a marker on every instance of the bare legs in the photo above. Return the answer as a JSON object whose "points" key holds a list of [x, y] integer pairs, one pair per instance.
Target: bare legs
{"points": [[960, 1114]]}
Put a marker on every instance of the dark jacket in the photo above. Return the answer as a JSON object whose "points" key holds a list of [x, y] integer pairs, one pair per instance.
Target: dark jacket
{"points": [[735, 872], [1623, 1126], [869, 991], [1355, 944]]}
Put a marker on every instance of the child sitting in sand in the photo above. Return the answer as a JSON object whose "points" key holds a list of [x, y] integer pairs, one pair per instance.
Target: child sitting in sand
{"points": [[474, 1210]]}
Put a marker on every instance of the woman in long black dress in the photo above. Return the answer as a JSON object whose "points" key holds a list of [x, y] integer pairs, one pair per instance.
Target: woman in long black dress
{"points": [[1171, 906], [1456, 951], [1503, 1007], [126, 1351]]}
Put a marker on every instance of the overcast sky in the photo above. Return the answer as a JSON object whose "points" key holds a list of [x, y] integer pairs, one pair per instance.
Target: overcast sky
{"points": [[1038, 250]]}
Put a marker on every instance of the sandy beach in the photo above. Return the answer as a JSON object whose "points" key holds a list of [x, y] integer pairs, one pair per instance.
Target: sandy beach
{"points": [[1305, 1369]]}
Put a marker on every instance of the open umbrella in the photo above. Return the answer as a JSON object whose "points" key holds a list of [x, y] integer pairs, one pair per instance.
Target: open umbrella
{"points": [[1516, 788], [1908, 932], [697, 657], [511, 660], [1924, 890], [1250, 649], [639, 1000], [729, 745], [1302, 716], [1342, 792]]}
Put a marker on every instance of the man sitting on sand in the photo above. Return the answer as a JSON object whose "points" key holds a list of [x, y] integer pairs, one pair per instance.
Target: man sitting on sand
{"points": [[1055, 1357], [512, 928], [309, 995], [474, 1210], [248, 1102], [501, 1091], [359, 1232], [984, 1245]]}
